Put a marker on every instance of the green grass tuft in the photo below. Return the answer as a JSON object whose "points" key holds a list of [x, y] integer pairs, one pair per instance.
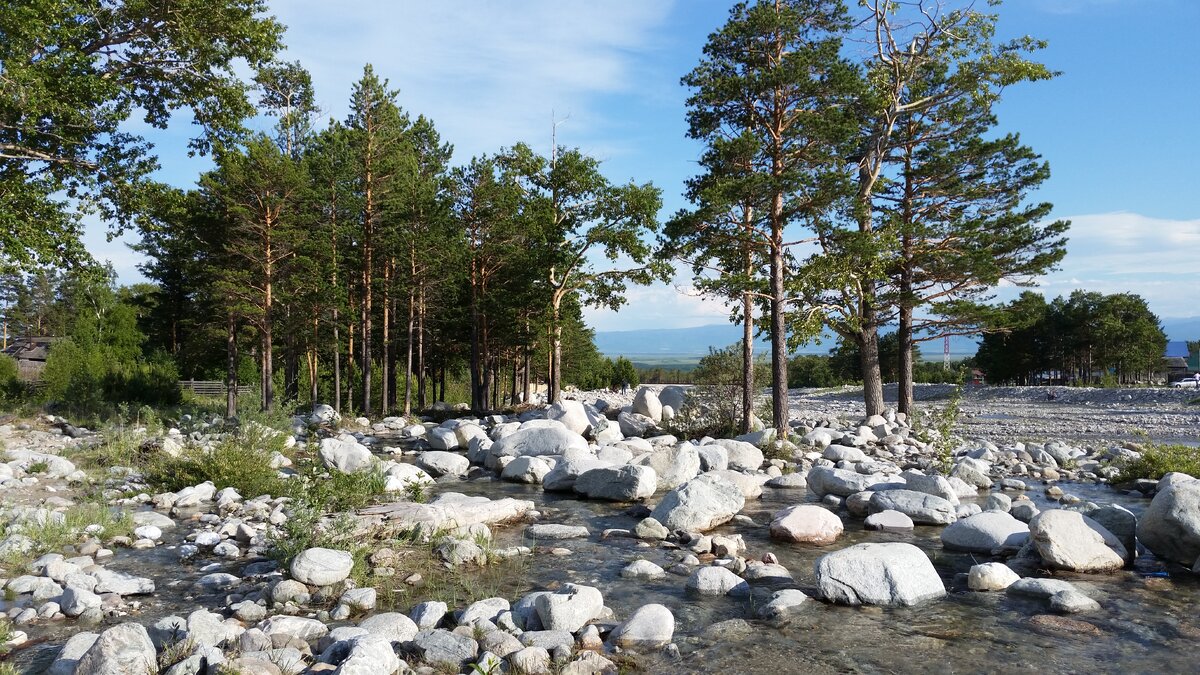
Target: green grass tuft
{"points": [[1159, 459]]}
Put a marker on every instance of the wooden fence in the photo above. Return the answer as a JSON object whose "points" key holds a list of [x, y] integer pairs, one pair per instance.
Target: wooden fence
{"points": [[210, 387]]}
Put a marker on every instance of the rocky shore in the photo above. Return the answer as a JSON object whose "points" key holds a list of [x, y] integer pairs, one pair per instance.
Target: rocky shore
{"points": [[635, 548]]}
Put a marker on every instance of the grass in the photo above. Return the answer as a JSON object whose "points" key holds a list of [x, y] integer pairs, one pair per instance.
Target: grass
{"points": [[54, 534], [1159, 459]]}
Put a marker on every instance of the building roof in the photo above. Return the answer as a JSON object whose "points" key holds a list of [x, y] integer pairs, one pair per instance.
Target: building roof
{"points": [[30, 349], [1176, 348]]}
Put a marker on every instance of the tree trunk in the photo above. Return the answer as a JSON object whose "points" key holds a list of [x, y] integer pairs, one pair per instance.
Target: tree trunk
{"points": [[779, 388], [555, 352], [231, 357], [868, 348], [421, 374], [337, 364], [904, 334], [408, 368], [747, 361], [386, 360], [475, 365]]}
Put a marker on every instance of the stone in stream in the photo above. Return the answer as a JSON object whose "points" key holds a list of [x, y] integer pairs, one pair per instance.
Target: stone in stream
{"points": [[618, 483], [699, 505], [442, 648], [751, 485], [923, 508], [827, 481], [68, 657], [789, 481], [888, 574], [1071, 541], [717, 581], [450, 510], [568, 469], [556, 531], [442, 463], [937, 486], [643, 569], [1039, 588], [321, 566], [109, 581], [649, 528], [672, 466], [120, 650], [783, 605], [974, 471], [1072, 602], [76, 601], [713, 458], [649, 627], [1170, 526], [305, 630], [1121, 522], [344, 455], [743, 456], [987, 532], [993, 576], [889, 521], [570, 607], [532, 470], [806, 523], [535, 441]]}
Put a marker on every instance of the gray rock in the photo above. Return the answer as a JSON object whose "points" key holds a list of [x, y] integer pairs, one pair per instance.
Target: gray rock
{"points": [[68, 657], [554, 531], [716, 581], [646, 402], [536, 441], [743, 456], [713, 457], [923, 508], [649, 627], [806, 523], [305, 630], [109, 581], [1024, 510], [937, 486], [974, 471], [532, 470], [889, 574], [457, 551], [619, 483], [391, 625], [570, 607], [789, 481], [443, 648], [649, 528], [889, 521], [1039, 588], [1170, 526], [120, 650], [643, 569], [442, 463], [1071, 541], [321, 566], [783, 605], [531, 660], [370, 655], [428, 614], [345, 455], [826, 481], [635, 425], [998, 501], [672, 466], [699, 505], [1121, 522], [986, 532], [1072, 602], [564, 474], [991, 576]]}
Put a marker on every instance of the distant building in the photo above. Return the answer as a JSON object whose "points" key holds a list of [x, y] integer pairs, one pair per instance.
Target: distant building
{"points": [[1178, 362], [30, 354]]}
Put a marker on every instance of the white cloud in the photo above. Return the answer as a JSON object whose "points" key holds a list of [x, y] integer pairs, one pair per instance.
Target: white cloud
{"points": [[660, 306]]}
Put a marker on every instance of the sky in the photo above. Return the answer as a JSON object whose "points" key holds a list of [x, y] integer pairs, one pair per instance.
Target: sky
{"points": [[1118, 126]]}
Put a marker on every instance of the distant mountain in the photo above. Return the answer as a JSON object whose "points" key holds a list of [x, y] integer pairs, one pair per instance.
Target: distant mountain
{"points": [[1187, 328], [660, 343]]}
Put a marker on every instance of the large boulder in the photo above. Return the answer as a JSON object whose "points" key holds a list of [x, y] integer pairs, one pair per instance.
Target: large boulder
{"points": [[1069, 540], [823, 480], [673, 466], [442, 463], [321, 566], [1170, 526], [345, 455], [535, 441], [937, 486], [564, 474], [122, 649], [987, 532], [806, 523], [673, 396], [649, 627], [635, 425], [888, 574], [618, 483], [572, 415], [923, 508], [743, 456], [973, 471], [646, 402], [570, 607], [700, 504], [526, 470]]}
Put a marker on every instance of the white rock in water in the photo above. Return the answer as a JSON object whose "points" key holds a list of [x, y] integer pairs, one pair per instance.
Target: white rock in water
{"points": [[441, 463], [1170, 526], [618, 483], [122, 649], [570, 607], [700, 504], [321, 566], [888, 574], [717, 581], [806, 523], [993, 576], [649, 627], [346, 456], [1071, 541]]}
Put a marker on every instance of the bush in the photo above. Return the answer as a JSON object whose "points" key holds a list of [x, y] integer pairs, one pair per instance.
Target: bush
{"points": [[1159, 459], [714, 405], [623, 373], [10, 382], [239, 462]]}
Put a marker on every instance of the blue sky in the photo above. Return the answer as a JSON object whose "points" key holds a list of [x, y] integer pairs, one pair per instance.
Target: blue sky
{"points": [[1118, 126]]}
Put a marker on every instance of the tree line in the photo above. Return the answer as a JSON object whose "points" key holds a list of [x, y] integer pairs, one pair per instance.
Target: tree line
{"points": [[1086, 338], [852, 176]]}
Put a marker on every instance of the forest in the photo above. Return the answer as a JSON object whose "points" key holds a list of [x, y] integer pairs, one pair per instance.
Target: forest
{"points": [[359, 261]]}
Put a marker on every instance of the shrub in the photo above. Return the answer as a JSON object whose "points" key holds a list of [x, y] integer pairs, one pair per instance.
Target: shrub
{"points": [[10, 382], [714, 405], [336, 491], [1158, 459], [239, 462]]}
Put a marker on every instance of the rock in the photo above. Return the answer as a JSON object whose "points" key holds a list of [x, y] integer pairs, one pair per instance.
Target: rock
{"points": [[672, 466], [428, 614], [716, 581], [300, 628], [109, 581], [120, 650], [991, 576], [1038, 588], [888, 574], [699, 505], [923, 508], [531, 470], [400, 476], [649, 528], [889, 521], [393, 626], [751, 485], [324, 414], [937, 486], [441, 463], [806, 523], [826, 481], [321, 566], [649, 627], [68, 657], [536, 441], [451, 510], [1072, 602], [347, 456], [789, 481], [568, 469], [986, 532], [713, 458], [783, 605], [635, 425], [369, 655], [998, 502], [532, 660], [643, 569], [442, 648], [619, 483], [1024, 510], [76, 601], [646, 402], [1170, 526], [570, 607], [844, 453], [1071, 541], [1121, 522], [1060, 624], [572, 415], [743, 456], [974, 471], [555, 531], [456, 551]]}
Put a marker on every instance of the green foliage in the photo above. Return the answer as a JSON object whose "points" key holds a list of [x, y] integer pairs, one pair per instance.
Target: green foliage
{"points": [[1159, 459], [66, 114], [623, 373], [67, 527], [332, 491], [714, 404], [10, 383], [239, 462]]}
